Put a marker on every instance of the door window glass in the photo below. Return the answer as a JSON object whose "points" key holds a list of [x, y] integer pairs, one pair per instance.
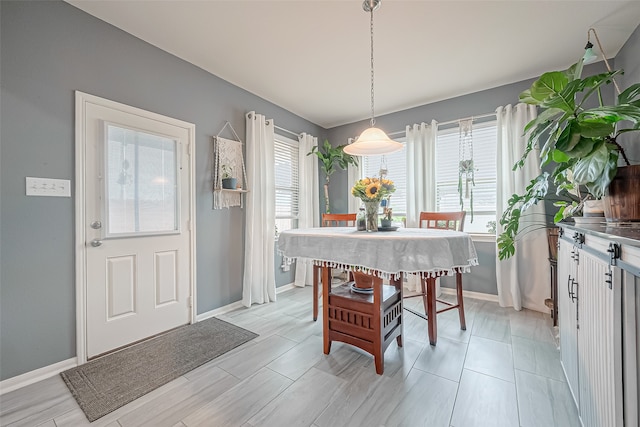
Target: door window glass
{"points": [[141, 182]]}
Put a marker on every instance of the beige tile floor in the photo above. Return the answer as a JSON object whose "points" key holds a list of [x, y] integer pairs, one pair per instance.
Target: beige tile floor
{"points": [[503, 371]]}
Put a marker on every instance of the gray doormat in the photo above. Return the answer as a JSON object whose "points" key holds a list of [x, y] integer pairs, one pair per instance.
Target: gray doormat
{"points": [[109, 382]]}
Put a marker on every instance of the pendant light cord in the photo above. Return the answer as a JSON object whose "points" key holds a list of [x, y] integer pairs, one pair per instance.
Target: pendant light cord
{"points": [[604, 55], [373, 120]]}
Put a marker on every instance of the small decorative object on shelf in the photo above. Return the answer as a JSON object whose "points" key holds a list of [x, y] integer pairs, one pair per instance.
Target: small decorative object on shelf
{"points": [[371, 191], [228, 180]]}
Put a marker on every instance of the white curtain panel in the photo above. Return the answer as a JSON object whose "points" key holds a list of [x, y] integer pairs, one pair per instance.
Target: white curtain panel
{"points": [[354, 173], [421, 170], [421, 180], [523, 279], [259, 285], [309, 203]]}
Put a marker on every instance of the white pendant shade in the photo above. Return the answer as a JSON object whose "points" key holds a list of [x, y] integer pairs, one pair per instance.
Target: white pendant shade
{"points": [[589, 56], [371, 142]]}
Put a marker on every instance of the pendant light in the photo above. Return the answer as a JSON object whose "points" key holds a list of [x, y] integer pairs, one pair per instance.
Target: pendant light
{"points": [[590, 56], [373, 141]]}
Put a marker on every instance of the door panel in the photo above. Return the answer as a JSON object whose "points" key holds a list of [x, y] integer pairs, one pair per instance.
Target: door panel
{"points": [[121, 286], [567, 316], [137, 206], [166, 269]]}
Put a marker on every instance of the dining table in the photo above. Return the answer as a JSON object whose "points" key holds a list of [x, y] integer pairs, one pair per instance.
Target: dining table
{"points": [[370, 322]]}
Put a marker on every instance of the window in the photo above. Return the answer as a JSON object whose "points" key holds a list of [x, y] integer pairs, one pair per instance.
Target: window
{"points": [[286, 182], [446, 164], [484, 191], [396, 165], [141, 182]]}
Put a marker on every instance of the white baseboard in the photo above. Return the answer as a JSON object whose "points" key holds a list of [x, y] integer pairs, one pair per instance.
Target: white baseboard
{"points": [[218, 311], [285, 288], [34, 376], [236, 305], [471, 294]]}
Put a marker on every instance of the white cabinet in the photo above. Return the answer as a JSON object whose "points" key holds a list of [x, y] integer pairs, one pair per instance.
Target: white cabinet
{"points": [[599, 342], [590, 323], [568, 314]]}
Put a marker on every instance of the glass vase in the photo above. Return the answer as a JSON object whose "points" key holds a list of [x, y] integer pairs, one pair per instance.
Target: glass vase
{"points": [[371, 214]]}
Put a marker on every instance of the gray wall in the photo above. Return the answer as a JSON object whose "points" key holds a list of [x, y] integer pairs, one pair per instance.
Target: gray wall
{"points": [[48, 50], [628, 59]]}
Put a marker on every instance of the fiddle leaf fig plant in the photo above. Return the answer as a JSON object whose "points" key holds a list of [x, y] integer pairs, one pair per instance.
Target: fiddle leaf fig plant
{"points": [[330, 158], [580, 141]]}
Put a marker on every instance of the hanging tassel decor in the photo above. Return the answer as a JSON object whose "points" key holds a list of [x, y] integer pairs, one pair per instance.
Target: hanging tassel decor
{"points": [[466, 169]]}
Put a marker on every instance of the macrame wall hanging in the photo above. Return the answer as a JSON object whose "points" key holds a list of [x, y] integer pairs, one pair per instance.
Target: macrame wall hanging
{"points": [[229, 175], [466, 169]]}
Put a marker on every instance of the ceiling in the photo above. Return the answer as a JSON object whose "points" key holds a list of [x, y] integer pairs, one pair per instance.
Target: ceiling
{"points": [[312, 57]]}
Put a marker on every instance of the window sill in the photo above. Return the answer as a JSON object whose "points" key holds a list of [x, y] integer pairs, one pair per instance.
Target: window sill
{"points": [[483, 238]]}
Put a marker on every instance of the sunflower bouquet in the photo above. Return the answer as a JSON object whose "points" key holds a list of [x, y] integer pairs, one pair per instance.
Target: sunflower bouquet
{"points": [[373, 189]]}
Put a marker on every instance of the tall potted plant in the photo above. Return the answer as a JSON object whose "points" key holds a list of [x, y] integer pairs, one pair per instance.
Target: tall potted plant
{"points": [[582, 142], [330, 158]]}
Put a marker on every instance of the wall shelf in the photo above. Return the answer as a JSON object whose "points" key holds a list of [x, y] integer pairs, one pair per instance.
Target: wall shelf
{"points": [[228, 162]]}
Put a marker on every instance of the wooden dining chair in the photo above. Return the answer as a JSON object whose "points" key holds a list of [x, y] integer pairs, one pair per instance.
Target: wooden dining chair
{"points": [[449, 221], [329, 220]]}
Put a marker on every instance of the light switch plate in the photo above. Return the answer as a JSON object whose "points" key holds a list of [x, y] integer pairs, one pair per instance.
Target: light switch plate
{"points": [[48, 187]]}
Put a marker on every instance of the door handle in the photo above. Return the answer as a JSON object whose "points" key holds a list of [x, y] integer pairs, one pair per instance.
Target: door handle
{"points": [[573, 295], [96, 242], [571, 282]]}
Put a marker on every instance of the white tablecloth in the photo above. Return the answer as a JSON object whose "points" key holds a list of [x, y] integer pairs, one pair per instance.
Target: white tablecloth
{"points": [[407, 250]]}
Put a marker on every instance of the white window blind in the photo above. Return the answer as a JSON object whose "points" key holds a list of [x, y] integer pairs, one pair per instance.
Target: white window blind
{"points": [[286, 182], [484, 159]]}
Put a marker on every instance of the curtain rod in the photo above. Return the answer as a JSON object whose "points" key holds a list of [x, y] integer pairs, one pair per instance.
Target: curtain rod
{"points": [[279, 128], [481, 116], [286, 130]]}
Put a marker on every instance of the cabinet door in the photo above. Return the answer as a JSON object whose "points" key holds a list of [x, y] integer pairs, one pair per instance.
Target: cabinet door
{"points": [[599, 342], [567, 315], [631, 346]]}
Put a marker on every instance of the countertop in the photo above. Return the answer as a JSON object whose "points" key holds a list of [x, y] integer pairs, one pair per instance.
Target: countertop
{"points": [[627, 233]]}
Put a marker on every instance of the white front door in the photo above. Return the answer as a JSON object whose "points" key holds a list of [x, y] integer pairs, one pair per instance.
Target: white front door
{"points": [[137, 223]]}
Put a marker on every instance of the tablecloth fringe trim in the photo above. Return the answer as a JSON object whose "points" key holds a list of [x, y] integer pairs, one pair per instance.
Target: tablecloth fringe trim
{"points": [[386, 274]]}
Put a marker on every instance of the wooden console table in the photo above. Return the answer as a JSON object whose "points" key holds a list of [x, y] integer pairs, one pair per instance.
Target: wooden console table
{"points": [[371, 322]]}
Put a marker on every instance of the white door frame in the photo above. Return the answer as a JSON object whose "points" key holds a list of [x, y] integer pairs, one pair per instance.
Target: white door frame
{"points": [[82, 99]]}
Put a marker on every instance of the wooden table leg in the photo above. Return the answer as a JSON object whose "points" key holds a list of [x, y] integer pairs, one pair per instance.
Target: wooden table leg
{"points": [[463, 323], [431, 310], [398, 285], [326, 288], [378, 354], [316, 280]]}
